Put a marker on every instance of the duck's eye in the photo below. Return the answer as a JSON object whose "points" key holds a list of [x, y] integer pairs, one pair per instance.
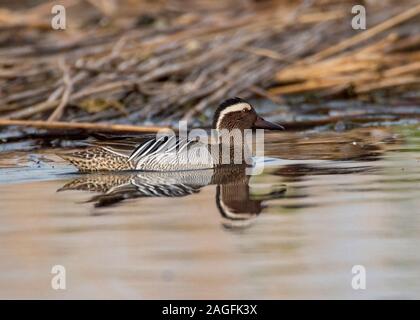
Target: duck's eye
{"points": [[244, 110]]}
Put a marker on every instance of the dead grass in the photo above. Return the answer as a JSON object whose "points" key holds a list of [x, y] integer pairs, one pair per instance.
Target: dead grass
{"points": [[171, 60]]}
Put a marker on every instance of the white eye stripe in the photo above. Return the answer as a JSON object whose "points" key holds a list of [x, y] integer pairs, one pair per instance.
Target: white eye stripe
{"points": [[236, 107], [233, 108]]}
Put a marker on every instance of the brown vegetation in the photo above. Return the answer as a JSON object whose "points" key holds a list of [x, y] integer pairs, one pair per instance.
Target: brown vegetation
{"points": [[135, 61]]}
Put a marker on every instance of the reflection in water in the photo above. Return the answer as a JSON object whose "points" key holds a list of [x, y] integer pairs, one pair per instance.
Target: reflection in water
{"points": [[234, 200], [364, 144]]}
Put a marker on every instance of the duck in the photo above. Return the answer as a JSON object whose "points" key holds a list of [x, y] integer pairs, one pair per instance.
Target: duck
{"points": [[169, 152]]}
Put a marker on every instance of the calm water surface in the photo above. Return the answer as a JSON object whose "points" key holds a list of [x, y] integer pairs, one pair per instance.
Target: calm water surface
{"points": [[324, 203]]}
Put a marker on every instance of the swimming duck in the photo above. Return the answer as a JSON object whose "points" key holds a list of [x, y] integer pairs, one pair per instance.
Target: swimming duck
{"points": [[173, 153]]}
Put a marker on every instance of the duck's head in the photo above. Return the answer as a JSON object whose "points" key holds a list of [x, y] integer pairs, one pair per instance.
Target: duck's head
{"points": [[237, 113]]}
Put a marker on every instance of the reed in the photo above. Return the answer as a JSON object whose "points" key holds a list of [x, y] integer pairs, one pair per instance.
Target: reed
{"points": [[144, 61]]}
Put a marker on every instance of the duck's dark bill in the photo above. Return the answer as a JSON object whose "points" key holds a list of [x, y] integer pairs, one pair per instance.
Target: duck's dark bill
{"points": [[260, 123]]}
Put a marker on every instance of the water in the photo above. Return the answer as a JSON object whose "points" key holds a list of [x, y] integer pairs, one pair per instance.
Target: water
{"points": [[324, 203]]}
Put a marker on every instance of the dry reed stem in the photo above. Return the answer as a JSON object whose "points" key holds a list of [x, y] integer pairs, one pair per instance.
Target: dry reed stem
{"points": [[91, 127], [369, 33], [68, 85]]}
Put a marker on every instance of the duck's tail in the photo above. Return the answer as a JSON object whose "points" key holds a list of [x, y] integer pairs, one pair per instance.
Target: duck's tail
{"points": [[97, 159]]}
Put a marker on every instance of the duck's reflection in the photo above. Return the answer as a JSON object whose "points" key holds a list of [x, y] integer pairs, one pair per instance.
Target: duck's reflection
{"points": [[235, 201]]}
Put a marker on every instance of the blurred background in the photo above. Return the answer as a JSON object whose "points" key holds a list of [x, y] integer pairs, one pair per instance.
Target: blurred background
{"points": [[144, 62], [340, 185]]}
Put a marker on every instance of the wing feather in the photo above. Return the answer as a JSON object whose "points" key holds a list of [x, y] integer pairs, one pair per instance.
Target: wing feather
{"points": [[135, 148]]}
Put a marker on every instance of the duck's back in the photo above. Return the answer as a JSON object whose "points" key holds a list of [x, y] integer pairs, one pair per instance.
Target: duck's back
{"points": [[165, 153]]}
